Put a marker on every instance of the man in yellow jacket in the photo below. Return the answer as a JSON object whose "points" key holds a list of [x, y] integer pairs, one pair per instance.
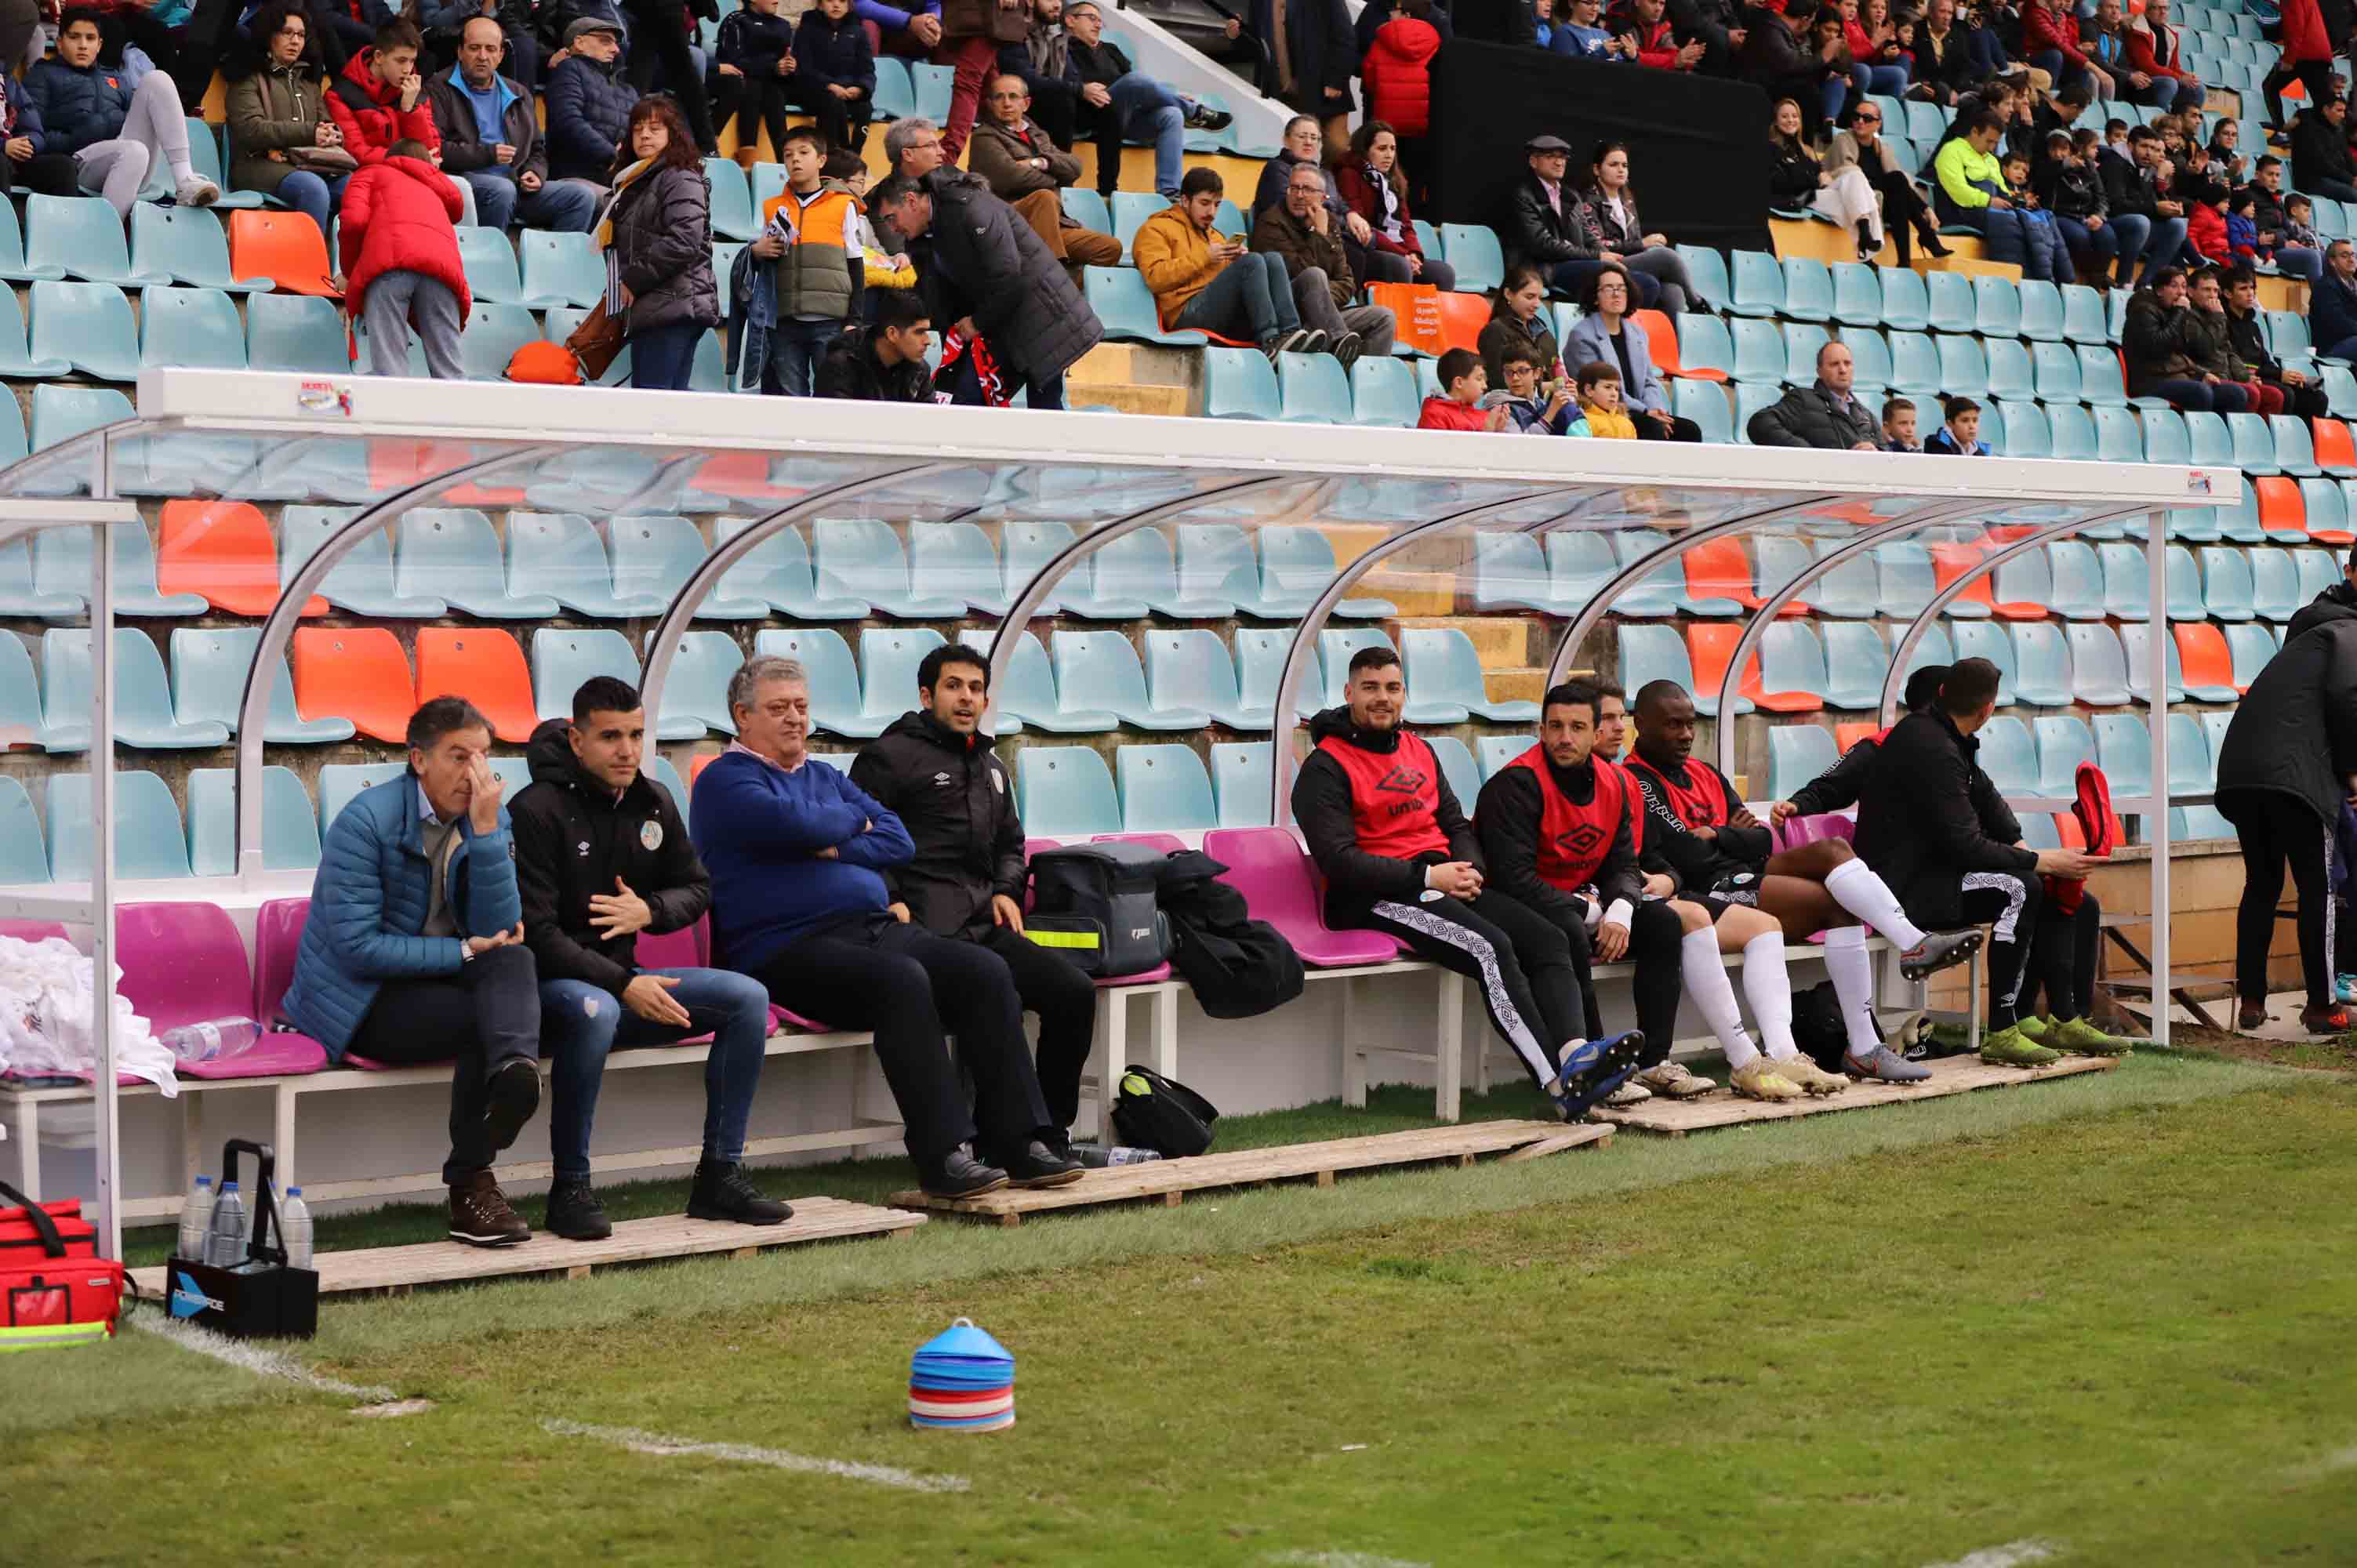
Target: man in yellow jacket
{"points": [[1204, 282]]}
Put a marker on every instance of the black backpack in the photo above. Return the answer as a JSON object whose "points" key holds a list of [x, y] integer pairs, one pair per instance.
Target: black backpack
{"points": [[1094, 904], [1238, 967], [1818, 1027], [1159, 1113]]}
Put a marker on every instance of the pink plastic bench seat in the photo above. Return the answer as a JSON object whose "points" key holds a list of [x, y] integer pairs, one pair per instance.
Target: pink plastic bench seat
{"points": [[1274, 873], [277, 1053]]}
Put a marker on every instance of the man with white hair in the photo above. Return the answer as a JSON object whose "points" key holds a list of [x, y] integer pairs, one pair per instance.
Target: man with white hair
{"points": [[794, 850]]}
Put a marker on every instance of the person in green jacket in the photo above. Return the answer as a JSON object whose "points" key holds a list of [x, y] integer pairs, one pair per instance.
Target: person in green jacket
{"points": [[1969, 189]]}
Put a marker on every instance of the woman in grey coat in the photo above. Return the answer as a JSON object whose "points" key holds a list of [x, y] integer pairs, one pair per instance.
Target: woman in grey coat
{"points": [[1610, 334], [659, 249]]}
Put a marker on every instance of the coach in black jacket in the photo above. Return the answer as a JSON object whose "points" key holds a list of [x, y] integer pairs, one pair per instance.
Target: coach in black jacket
{"points": [[935, 770], [601, 854]]}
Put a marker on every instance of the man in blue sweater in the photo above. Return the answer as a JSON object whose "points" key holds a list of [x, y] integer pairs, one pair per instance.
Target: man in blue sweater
{"points": [[793, 849], [414, 951]]}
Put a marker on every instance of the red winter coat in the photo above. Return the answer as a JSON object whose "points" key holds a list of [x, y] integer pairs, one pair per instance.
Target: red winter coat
{"points": [[397, 216], [2145, 50], [1398, 74], [2044, 28], [2304, 39], [370, 114], [1446, 414]]}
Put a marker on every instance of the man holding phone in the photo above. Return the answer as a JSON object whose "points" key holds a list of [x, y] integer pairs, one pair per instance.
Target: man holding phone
{"points": [[1205, 282]]}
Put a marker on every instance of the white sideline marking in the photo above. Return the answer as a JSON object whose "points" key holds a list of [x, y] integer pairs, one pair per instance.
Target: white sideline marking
{"points": [[2012, 1554], [250, 1358], [399, 1407], [1344, 1560], [2325, 1464], [639, 1441]]}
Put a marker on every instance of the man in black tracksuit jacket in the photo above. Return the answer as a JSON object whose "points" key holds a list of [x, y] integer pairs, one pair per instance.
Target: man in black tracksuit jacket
{"points": [[1950, 849], [935, 770], [601, 854]]}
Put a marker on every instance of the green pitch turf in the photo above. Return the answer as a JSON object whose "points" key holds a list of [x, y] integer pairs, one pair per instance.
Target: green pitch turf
{"points": [[2103, 1319]]}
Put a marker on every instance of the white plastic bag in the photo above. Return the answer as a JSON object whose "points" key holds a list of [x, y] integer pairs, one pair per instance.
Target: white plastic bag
{"points": [[46, 997]]}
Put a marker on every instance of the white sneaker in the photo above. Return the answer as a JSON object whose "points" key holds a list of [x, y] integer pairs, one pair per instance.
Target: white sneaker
{"points": [[1628, 1094], [1673, 1081], [196, 191]]}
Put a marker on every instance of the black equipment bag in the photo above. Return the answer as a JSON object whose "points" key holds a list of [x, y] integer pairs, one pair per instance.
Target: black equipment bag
{"points": [[1094, 904], [1237, 967], [1159, 1113]]}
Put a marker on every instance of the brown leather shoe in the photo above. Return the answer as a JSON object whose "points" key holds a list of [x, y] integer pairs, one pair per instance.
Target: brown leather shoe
{"points": [[746, 158], [480, 1215]]}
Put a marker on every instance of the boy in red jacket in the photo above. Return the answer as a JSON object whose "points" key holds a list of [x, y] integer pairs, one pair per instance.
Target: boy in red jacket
{"points": [[400, 259], [1460, 371], [381, 97]]}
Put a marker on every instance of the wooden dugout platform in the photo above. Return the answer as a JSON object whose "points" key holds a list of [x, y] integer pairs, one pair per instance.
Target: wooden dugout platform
{"points": [[1950, 1075]]}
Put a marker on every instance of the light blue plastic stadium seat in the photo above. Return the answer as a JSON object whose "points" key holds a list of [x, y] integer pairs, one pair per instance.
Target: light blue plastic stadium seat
{"points": [[2063, 743], [1473, 249], [2137, 649], [2250, 645], [1952, 307], [2209, 443], [1751, 397], [1933, 648], [2119, 439], [955, 560], [1083, 206], [143, 696], [2193, 770], [1704, 402], [1704, 345], [209, 674], [290, 829], [896, 95], [1990, 640], [361, 583], [2077, 576], [1649, 653], [493, 333], [87, 325], [1792, 659], [340, 782], [834, 678], [732, 199], [1808, 290], [1758, 284], [2240, 523], [20, 699], [1493, 752], [2054, 370], [149, 842], [2254, 445], [2099, 670], [888, 660], [1297, 564], [1905, 576], [2008, 756], [1708, 270], [1997, 307], [1193, 670], [653, 557], [1100, 671], [2124, 751], [662, 772], [1964, 364], [2186, 525], [73, 236], [1067, 792], [2290, 449], [2073, 433], [1656, 593], [2009, 372], [1802, 339], [1925, 123], [1509, 572], [1025, 548], [2100, 379], [2027, 433], [2226, 593], [1164, 788], [1131, 208], [933, 87], [2326, 508], [1125, 306], [1335, 649], [1870, 371], [1445, 680], [490, 263], [2125, 582], [696, 689], [2082, 314], [1856, 660], [1858, 293], [2319, 570], [778, 570], [2041, 663], [1760, 351], [564, 657], [13, 264], [862, 558], [1025, 695], [19, 601], [183, 244], [450, 554], [298, 332], [1128, 576], [194, 327], [2041, 317], [1238, 384], [1906, 303], [1312, 389], [1848, 592], [2184, 585], [1457, 767], [61, 568], [560, 555], [1260, 663], [564, 269], [24, 857], [1797, 753], [15, 359], [1382, 392], [1915, 367], [2275, 584]]}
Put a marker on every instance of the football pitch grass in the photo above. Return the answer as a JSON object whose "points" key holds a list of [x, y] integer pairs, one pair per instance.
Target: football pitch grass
{"points": [[2100, 1320]]}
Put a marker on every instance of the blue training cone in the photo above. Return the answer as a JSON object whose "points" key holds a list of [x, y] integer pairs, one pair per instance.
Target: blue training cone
{"points": [[962, 1380]]}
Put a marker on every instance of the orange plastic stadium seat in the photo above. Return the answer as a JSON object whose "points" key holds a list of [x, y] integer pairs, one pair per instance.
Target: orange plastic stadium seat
{"points": [[285, 247], [2281, 510], [1849, 734], [354, 672], [1719, 570], [2202, 649], [742, 475], [1712, 643], [395, 463], [2066, 826], [485, 666], [1462, 316], [1950, 562], [222, 550], [1661, 344], [697, 764], [2336, 452]]}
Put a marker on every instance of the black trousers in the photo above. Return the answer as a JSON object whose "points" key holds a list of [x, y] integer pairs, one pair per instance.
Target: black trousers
{"points": [[659, 37], [842, 121], [1052, 986], [1903, 210], [1650, 429], [1653, 939], [1522, 961], [2031, 948], [2275, 829], [488, 1014], [2316, 76], [914, 989], [2081, 932], [755, 103]]}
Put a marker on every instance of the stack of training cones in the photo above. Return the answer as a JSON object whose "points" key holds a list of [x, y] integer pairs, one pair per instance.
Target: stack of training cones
{"points": [[962, 1380]]}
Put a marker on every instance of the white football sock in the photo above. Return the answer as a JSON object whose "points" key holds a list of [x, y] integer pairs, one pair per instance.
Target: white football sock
{"points": [[1852, 972], [1769, 989], [1857, 889], [1707, 982]]}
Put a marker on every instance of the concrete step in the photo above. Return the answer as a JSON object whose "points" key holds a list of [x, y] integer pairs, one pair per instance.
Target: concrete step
{"points": [[1131, 397], [1503, 643], [1521, 683]]}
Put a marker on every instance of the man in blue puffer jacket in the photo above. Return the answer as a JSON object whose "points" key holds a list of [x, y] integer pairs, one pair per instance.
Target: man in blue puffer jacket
{"points": [[414, 951], [589, 102], [116, 132]]}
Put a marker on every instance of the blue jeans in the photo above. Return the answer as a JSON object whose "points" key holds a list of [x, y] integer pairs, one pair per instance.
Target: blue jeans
{"points": [[580, 1022], [1890, 79], [663, 357], [2299, 262], [1146, 111], [796, 346], [1251, 297], [2102, 245], [2162, 241], [2168, 92], [312, 196], [563, 205], [2201, 397], [1835, 92]]}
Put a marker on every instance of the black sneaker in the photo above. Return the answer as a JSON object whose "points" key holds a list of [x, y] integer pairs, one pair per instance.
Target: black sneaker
{"points": [[1346, 348], [960, 1174], [722, 1192], [1203, 118], [480, 1215], [1036, 1165], [1291, 342], [513, 1096], [1314, 342], [574, 1213]]}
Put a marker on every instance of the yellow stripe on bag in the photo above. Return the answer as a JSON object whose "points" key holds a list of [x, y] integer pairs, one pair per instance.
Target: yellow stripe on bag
{"points": [[51, 1337], [1065, 938]]}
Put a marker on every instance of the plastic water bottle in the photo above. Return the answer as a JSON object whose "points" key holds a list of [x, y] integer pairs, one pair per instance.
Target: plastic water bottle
{"points": [[196, 1221], [226, 1245], [213, 1038], [1122, 1154], [294, 1229]]}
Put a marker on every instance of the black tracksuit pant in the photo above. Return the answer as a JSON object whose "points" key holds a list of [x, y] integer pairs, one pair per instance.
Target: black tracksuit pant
{"points": [[1653, 938], [1522, 961], [1066, 1001], [914, 989], [2031, 947], [2273, 830], [487, 1014]]}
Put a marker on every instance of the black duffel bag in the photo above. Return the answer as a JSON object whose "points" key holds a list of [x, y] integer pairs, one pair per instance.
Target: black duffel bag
{"points": [[1094, 904], [1152, 1111]]}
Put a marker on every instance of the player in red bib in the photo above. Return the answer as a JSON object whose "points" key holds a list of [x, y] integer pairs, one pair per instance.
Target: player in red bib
{"points": [[1558, 827], [1399, 857], [1759, 897]]}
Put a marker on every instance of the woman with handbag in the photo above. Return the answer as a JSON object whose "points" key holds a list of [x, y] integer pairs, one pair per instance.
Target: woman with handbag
{"points": [[284, 142], [658, 237]]}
